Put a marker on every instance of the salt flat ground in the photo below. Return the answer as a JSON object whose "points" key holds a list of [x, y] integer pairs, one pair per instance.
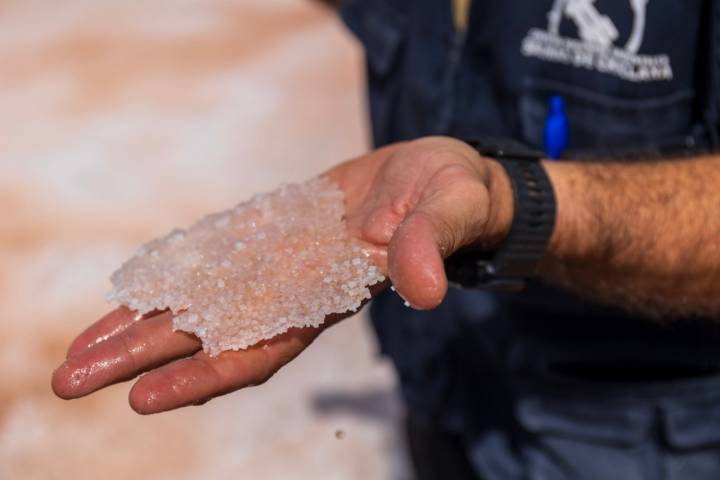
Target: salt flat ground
{"points": [[118, 121]]}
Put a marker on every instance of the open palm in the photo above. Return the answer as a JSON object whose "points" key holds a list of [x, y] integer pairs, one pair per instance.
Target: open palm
{"points": [[411, 204]]}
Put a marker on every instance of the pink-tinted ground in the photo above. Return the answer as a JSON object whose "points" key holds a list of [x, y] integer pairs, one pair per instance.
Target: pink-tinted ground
{"points": [[118, 121]]}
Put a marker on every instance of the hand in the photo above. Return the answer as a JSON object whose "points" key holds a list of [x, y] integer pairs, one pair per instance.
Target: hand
{"points": [[412, 204]]}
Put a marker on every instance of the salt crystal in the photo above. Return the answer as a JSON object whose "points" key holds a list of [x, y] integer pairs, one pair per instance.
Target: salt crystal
{"points": [[176, 236], [280, 260], [222, 222]]}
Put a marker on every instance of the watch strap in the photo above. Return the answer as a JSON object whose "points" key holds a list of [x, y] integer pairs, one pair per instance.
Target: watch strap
{"points": [[533, 220], [519, 256]]}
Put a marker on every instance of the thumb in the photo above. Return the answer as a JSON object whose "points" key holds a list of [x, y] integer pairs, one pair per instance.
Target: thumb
{"points": [[441, 223]]}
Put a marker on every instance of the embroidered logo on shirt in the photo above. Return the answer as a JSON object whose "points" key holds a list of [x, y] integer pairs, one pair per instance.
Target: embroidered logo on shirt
{"points": [[599, 47]]}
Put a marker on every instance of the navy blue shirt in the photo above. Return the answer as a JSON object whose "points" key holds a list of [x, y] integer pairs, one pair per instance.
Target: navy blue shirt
{"points": [[494, 80], [639, 78]]}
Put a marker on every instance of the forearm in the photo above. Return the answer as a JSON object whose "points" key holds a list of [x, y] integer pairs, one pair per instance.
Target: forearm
{"points": [[642, 235]]}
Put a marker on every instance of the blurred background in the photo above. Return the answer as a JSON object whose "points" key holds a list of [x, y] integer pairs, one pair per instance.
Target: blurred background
{"points": [[118, 121]]}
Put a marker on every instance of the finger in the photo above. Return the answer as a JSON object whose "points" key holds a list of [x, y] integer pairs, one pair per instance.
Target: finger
{"points": [[200, 378], [443, 221], [141, 346], [375, 224], [415, 263], [109, 325]]}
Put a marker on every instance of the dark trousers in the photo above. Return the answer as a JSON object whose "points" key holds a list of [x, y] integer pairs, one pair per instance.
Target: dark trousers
{"points": [[436, 454]]}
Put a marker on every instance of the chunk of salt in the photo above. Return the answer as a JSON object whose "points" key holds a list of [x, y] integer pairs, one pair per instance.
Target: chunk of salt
{"points": [[280, 260]]}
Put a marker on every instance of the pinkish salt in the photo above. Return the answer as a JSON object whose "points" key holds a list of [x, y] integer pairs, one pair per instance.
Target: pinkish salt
{"points": [[280, 260]]}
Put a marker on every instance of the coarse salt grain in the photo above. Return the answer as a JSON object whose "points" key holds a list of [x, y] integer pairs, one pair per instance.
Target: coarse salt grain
{"points": [[280, 260]]}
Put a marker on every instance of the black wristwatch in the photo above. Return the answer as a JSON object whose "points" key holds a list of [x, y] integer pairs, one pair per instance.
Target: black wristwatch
{"points": [[518, 257]]}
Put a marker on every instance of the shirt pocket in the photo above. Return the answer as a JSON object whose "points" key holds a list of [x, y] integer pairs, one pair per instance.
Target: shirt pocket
{"points": [[585, 421], [574, 438], [602, 124], [693, 426]]}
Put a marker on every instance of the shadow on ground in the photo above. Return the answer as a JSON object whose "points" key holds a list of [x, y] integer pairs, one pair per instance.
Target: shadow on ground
{"points": [[375, 405]]}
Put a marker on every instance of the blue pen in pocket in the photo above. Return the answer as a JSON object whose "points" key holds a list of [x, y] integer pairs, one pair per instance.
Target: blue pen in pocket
{"points": [[556, 128]]}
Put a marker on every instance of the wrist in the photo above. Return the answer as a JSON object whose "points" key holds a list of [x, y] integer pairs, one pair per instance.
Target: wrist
{"points": [[501, 205], [518, 219], [488, 231]]}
